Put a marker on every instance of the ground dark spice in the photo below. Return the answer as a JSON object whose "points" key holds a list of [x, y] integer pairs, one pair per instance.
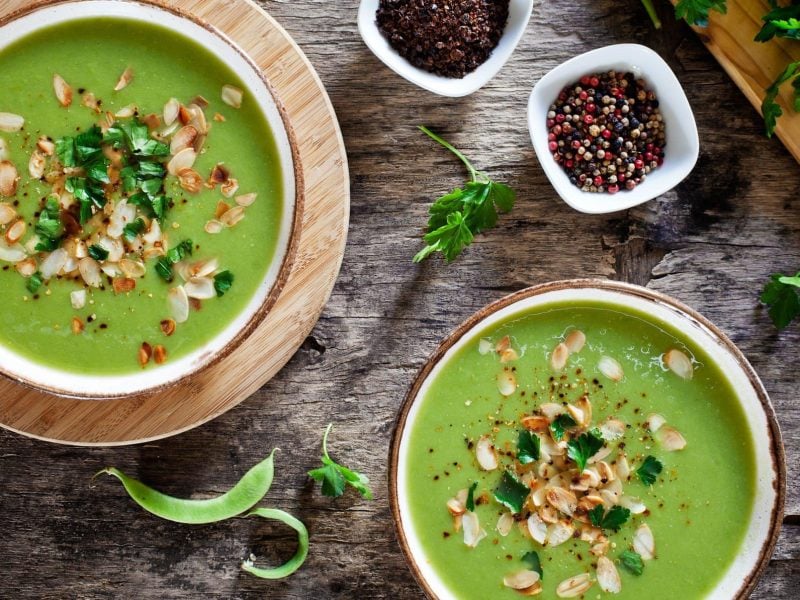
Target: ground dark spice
{"points": [[446, 37], [607, 132]]}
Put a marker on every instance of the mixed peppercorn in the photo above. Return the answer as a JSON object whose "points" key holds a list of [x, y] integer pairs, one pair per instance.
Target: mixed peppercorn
{"points": [[607, 132]]}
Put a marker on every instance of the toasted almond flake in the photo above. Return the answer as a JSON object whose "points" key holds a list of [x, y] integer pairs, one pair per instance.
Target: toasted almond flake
{"points": [[63, 90], [203, 268], [179, 304], [670, 438], [26, 267], [574, 586], [576, 414], [560, 532], [77, 326], [521, 580], [612, 429], [503, 344], [145, 352], [472, 529], [456, 507], [123, 285], [622, 467], [562, 500], [484, 346], [167, 327], [201, 288], [171, 110], [77, 299], [190, 180], [551, 410], [221, 208], [610, 368], [122, 214], [506, 382], [89, 100], [197, 119], [182, 160], [248, 199], [124, 79], [4, 151], [608, 576], [36, 165], [548, 514], [599, 455], [219, 118], [508, 355], [15, 231], [219, 174], [160, 354], [654, 422], [633, 504], [133, 269], [10, 122], [585, 406], [485, 453], [90, 271], [680, 364], [537, 528], [575, 341], [213, 227], [644, 543], [7, 213], [8, 178], [232, 96], [600, 548], [535, 422], [13, 253], [589, 478], [605, 471], [45, 146], [183, 138], [587, 503], [558, 359], [505, 523], [53, 263], [232, 216], [126, 112], [230, 187]]}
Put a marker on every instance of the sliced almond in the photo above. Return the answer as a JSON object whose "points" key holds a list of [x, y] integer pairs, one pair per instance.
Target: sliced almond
{"points": [[485, 453], [183, 138], [456, 507], [45, 146], [197, 119], [248, 199], [167, 327], [551, 410], [622, 467], [232, 96], [8, 178], [54, 262], [577, 414], [612, 429], [521, 580], [126, 112], [506, 382], [219, 117], [608, 576], [77, 326], [484, 346], [15, 231], [535, 422], [574, 586], [182, 160], [36, 165], [230, 187], [560, 532], [201, 288], [654, 422], [505, 523], [77, 299], [633, 504], [160, 354], [232, 216], [610, 368], [7, 213], [89, 100], [558, 359], [680, 364], [13, 253], [63, 90], [123, 285], [219, 174], [644, 543], [190, 180], [670, 438], [585, 406], [90, 271], [605, 471], [145, 352], [213, 227], [599, 455], [575, 341], [179, 304], [203, 268], [26, 267], [124, 79], [537, 528], [221, 208], [132, 268], [171, 110], [10, 122], [472, 529], [562, 500]]}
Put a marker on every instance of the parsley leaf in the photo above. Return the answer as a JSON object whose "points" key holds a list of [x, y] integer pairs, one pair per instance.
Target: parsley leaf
{"points": [[582, 448], [132, 229], [174, 255], [560, 425], [780, 295], [471, 497], [335, 477], [456, 217], [49, 227], [223, 282], [511, 492], [632, 562], [770, 109], [696, 11], [528, 447], [781, 21], [97, 252], [136, 136], [613, 519], [532, 558], [34, 282], [649, 469]]}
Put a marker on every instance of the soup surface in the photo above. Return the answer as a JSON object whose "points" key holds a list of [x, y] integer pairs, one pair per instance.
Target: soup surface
{"points": [[115, 325], [697, 509]]}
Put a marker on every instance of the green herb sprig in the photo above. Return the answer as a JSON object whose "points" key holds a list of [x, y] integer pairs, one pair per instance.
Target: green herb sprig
{"points": [[528, 447], [534, 562], [560, 425], [615, 518], [457, 217], [335, 477], [695, 12], [471, 497], [649, 470], [780, 296], [511, 492], [582, 448], [632, 562]]}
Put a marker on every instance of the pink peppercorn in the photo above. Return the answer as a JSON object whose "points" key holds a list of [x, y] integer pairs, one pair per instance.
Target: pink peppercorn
{"points": [[553, 146], [560, 118], [590, 108], [612, 189], [598, 180], [594, 81], [588, 119], [638, 163]]}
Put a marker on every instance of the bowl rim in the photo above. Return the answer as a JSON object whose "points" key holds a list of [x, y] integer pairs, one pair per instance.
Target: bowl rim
{"points": [[776, 449], [282, 276], [593, 60], [431, 82]]}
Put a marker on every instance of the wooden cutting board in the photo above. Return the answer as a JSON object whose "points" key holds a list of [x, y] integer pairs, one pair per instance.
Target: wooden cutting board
{"points": [[752, 65], [322, 236]]}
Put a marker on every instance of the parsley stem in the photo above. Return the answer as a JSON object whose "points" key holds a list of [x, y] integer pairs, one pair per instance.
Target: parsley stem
{"points": [[651, 10], [325, 440], [472, 171]]}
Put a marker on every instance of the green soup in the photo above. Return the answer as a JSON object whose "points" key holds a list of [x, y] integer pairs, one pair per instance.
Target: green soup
{"points": [[698, 509], [91, 55]]}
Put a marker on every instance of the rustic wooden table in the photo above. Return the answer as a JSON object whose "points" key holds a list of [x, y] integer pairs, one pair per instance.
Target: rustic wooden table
{"points": [[711, 243]]}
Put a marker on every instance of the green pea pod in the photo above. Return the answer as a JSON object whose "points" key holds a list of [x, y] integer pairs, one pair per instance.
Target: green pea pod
{"points": [[244, 495], [293, 563]]}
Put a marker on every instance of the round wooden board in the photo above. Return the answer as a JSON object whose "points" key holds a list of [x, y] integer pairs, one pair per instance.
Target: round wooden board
{"points": [[323, 234]]}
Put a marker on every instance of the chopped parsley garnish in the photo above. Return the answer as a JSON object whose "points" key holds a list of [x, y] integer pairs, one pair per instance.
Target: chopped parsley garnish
{"points": [[770, 109], [49, 227], [532, 558], [136, 137], [632, 562], [471, 497], [780, 295], [178, 253], [335, 477], [528, 447], [85, 151], [133, 229], [511, 492], [582, 448], [781, 21], [456, 217], [34, 282], [649, 470], [560, 425], [223, 282], [613, 519], [97, 252]]}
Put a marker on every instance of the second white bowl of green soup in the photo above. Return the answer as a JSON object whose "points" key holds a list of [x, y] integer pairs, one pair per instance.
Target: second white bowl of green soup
{"points": [[587, 439], [148, 197]]}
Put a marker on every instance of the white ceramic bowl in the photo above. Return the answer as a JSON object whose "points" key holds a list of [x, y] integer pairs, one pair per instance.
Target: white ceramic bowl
{"points": [[73, 384], [762, 533], [680, 152], [519, 13]]}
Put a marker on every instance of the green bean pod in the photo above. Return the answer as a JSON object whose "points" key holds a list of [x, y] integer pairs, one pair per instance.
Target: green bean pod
{"points": [[293, 563], [250, 489]]}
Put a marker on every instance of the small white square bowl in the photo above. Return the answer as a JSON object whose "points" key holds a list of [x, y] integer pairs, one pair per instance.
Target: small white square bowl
{"points": [[682, 145], [519, 13]]}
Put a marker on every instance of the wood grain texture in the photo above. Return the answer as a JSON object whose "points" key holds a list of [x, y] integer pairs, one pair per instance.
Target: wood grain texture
{"points": [[752, 65], [323, 200], [710, 243]]}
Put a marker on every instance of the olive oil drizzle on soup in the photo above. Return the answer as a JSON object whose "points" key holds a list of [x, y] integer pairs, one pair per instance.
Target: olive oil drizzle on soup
{"points": [[513, 381], [202, 186]]}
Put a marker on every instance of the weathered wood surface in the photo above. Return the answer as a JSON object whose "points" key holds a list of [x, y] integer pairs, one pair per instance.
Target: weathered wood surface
{"points": [[709, 243]]}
